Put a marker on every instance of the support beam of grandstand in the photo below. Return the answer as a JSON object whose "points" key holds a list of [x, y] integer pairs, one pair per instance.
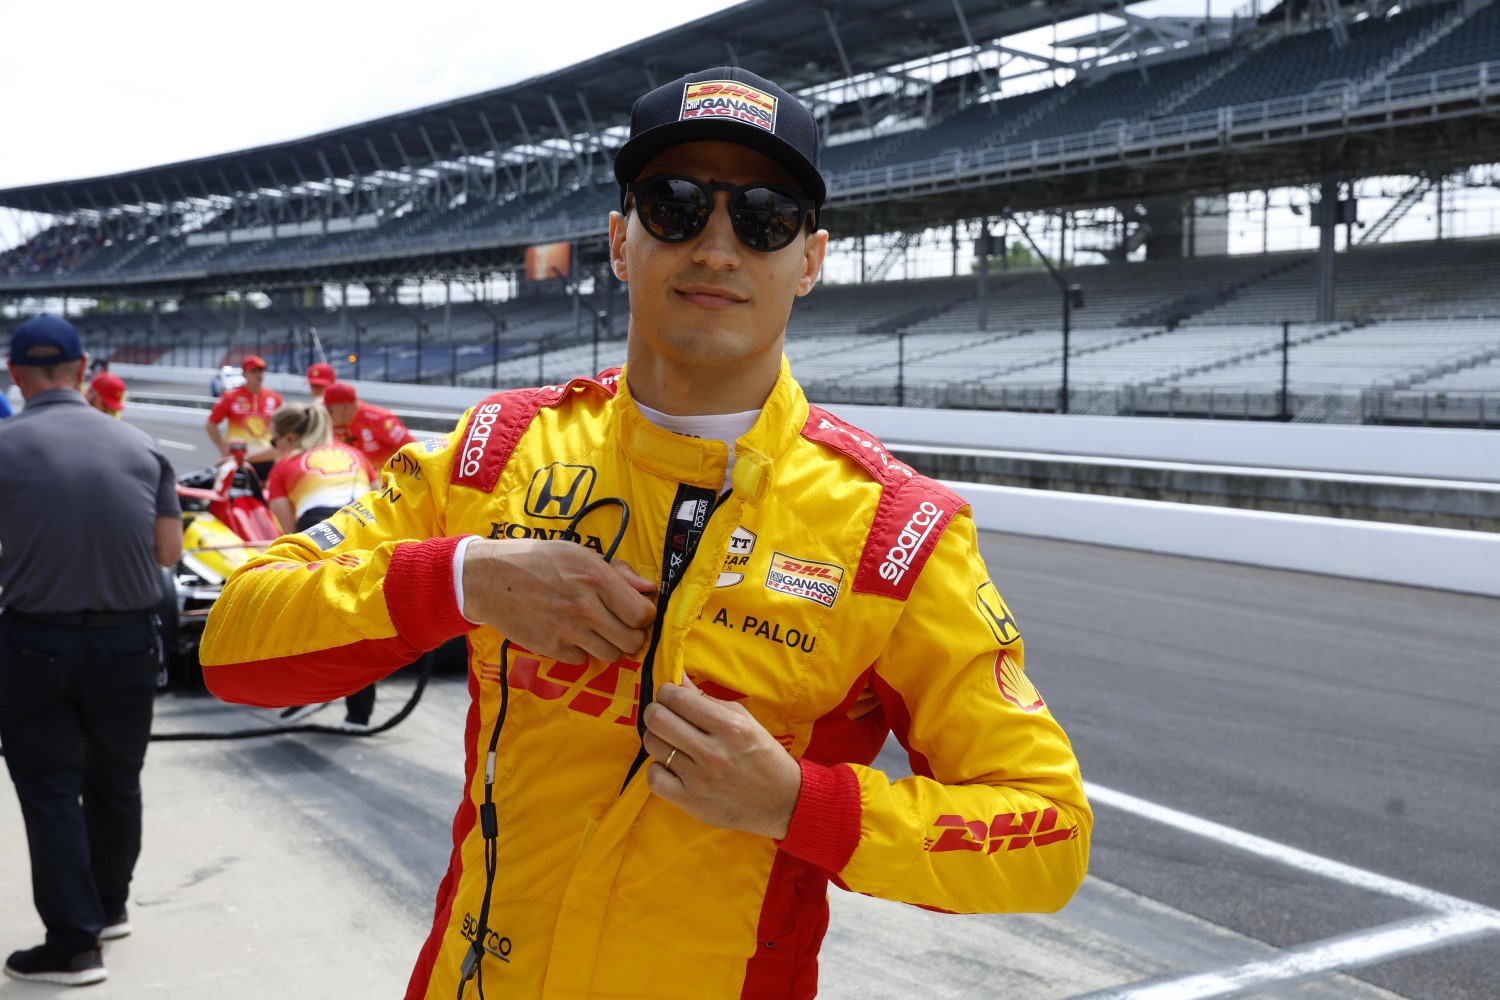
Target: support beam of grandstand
{"points": [[596, 141], [526, 134], [496, 152], [838, 44], [963, 25], [566, 134], [334, 189], [1327, 220], [1335, 13]]}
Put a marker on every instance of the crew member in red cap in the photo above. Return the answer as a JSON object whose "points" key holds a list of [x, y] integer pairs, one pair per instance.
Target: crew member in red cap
{"points": [[376, 432], [319, 377], [106, 393], [248, 410]]}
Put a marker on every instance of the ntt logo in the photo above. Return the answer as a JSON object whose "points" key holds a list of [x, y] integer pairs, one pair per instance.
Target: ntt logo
{"points": [[478, 437]]}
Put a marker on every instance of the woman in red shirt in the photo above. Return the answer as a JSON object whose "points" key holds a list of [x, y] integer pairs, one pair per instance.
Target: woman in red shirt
{"points": [[313, 477]]}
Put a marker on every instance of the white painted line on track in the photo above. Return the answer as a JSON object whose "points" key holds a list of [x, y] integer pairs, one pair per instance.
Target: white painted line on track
{"points": [[1365, 948], [1292, 856], [176, 444]]}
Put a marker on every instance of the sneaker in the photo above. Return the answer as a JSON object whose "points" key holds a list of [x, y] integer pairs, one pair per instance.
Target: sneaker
{"points": [[43, 965], [350, 726], [299, 712], [115, 927]]}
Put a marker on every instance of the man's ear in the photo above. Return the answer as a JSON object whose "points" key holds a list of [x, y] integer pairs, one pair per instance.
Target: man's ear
{"points": [[617, 225], [812, 261]]}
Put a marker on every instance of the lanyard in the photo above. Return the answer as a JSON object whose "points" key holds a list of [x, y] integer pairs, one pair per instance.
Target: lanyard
{"points": [[691, 510]]}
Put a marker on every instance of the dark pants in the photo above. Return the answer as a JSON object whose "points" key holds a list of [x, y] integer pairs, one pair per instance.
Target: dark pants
{"points": [[359, 705], [75, 717]]}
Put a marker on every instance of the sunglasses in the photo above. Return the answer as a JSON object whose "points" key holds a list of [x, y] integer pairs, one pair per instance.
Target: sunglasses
{"points": [[674, 209]]}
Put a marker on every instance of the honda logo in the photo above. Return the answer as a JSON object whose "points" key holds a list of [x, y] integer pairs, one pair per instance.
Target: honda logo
{"points": [[560, 491]]}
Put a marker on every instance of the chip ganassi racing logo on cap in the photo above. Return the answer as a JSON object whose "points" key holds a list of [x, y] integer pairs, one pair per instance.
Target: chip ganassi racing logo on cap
{"points": [[811, 581], [727, 99]]}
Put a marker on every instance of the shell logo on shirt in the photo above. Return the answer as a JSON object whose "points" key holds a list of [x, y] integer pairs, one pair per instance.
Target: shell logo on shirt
{"points": [[1015, 686], [329, 461]]}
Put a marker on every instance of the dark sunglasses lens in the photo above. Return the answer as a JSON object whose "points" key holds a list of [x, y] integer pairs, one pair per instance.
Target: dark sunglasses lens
{"points": [[767, 219], [673, 209]]}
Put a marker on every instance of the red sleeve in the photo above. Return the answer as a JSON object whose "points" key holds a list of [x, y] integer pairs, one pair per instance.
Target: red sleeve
{"points": [[825, 822], [276, 481], [221, 408], [275, 398]]}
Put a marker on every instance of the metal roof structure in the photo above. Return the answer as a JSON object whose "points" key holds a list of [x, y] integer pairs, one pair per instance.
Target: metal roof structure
{"points": [[801, 45]]}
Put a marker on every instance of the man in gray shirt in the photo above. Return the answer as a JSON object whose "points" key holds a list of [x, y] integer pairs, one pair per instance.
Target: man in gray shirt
{"points": [[88, 511]]}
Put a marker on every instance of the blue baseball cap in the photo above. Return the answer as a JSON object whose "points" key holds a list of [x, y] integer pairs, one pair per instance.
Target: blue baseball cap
{"points": [[45, 340]]}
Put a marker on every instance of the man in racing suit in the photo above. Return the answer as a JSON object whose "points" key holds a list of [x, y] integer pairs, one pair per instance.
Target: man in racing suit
{"points": [[669, 749]]}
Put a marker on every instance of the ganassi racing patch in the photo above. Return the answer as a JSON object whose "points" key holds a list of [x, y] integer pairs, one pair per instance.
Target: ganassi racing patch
{"points": [[811, 581], [730, 100]]}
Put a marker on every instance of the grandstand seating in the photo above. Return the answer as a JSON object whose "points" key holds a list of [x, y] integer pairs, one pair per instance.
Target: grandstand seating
{"points": [[1477, 41], [1383, 354], [1311, 62]]}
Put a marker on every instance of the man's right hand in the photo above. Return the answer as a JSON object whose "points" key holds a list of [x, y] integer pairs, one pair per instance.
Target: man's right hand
{"points": [[556, 598]]}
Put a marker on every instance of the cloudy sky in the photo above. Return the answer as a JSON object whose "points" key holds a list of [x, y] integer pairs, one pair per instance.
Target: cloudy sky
{"points": [[99, 87]]}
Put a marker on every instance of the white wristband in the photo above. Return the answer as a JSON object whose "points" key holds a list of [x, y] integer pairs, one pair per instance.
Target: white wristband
{"points": [[458, 575]]}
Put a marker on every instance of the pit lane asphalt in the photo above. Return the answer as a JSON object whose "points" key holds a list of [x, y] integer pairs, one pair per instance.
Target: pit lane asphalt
{"points": [[1355, 721]]}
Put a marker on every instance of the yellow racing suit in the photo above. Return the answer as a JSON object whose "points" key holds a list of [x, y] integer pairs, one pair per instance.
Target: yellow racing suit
{"points": [[832, 591]]}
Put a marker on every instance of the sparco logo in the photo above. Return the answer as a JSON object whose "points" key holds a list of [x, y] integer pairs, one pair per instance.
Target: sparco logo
{"points": [[479, 436], [898, 559]]}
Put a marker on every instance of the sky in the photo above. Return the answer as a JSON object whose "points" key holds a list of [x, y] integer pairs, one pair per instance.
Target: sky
{"points": [[97, 87]]}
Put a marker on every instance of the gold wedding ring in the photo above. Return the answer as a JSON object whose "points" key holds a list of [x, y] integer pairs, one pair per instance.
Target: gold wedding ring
{"points": [[668, 762]]}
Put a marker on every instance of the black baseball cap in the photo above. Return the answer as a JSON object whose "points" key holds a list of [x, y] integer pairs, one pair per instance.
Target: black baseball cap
{"points": [[45, 340], [727, 104]]}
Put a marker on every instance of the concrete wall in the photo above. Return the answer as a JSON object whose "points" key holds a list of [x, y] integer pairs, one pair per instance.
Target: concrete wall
{"points": [[1436, 453], [1441, 558]]}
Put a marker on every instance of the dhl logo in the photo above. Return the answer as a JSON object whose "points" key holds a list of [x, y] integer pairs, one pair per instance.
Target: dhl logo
{"points": [[728, 88], [591, 693], [1007, 830], [587, 693]]}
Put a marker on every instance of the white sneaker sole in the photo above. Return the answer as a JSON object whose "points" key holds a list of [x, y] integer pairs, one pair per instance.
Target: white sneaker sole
{"points": [[115, 933], [84, 978]]}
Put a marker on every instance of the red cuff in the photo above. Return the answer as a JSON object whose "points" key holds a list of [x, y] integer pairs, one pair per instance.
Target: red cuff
{"points": [[825, 824], [419, 593]]}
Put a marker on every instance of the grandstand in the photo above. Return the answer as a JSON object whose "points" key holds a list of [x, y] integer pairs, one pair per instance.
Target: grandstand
{"points": [[933, 123]]}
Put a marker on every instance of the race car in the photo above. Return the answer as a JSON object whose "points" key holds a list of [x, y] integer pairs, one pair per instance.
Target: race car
{"points": [[225, 521]]}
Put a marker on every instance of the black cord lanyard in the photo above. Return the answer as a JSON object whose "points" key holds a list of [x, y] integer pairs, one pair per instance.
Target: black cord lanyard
{"points": [[690, 512], [489, 822]]}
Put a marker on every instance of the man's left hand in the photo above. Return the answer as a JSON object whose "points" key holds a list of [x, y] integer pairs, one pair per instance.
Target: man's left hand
{"points": [[728, 771]]}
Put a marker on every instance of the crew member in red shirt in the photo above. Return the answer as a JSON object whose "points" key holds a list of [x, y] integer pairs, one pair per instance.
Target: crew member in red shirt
{"points": [[248, 410], [377, 433], [319, 377]]}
